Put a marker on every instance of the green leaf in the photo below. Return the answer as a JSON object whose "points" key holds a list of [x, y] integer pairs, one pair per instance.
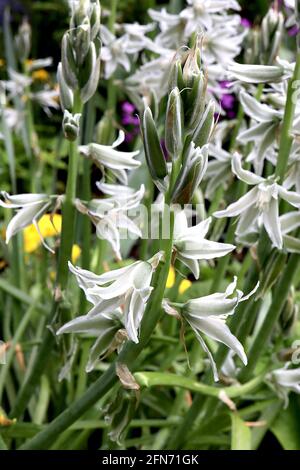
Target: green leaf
{"points": [[286, 427], [240, 434]]}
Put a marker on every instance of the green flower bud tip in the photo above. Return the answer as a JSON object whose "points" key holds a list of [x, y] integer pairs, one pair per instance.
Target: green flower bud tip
{"points": [[153, 151], [174, 126], [71, 125]]}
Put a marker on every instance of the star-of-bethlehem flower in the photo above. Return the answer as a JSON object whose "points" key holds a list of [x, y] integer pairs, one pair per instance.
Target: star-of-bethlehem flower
{"points": [[111, 214], [30, 207], [283, 381], [126, 288], [106, 156], [191, 246], [260, 205], [207, 315]]}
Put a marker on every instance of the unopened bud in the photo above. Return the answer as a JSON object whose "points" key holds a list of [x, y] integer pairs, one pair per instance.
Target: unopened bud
{"points": [[65, 93], [174, 126], [120, 412], [205, 127], [154, 154], [90, 71], [191, 67], [190, 175], [69, 67], [23, 41], [71, 125]]}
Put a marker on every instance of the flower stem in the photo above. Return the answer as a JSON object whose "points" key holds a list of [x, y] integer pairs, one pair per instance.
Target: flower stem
{"points": [[67, 236], [152, 379], [286, 138], [279, 299]]}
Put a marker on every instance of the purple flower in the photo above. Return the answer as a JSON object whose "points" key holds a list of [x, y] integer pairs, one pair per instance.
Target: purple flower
{"points": [[130, 121], [128, 108], [227, 100], [293, 31], [246, 23]]}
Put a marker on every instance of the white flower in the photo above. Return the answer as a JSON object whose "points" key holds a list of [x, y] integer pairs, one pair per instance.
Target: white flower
{"points": [[114, 52], [103, 326], [207, 315], [46, 99], [218, 169], [288, 223], [259, 73], [191, 245], [128, 287], [105, 156], [284, 381], [259, 205], [112, 214], [264, 132], [30, 207]]}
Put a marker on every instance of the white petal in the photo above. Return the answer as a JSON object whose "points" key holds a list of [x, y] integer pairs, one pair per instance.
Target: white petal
{"points": [[272, 224], [239, 206], [219, 331], [244, 175]]}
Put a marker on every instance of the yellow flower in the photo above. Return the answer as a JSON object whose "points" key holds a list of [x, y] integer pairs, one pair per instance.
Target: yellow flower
{"points": [[76, 252], [184, 285], [2, 62], [41, 75], [171, 278], [49, 226]]}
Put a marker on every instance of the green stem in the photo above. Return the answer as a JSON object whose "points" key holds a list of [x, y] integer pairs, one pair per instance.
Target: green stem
{"points": [[9, 356], [286, 138], [279, 299], [67, 238], [152, 379], [86, 196]]}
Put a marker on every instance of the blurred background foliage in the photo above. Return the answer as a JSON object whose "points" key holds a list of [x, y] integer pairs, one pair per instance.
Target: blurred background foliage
{"points": [[50, 18]]}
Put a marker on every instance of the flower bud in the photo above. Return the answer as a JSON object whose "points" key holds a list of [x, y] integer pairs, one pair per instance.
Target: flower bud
{"points": [[95, 18], [271, 31], [120, 412], [196, 100], [174, 126], [176, 78], [79, 12], [190, 175], [90, 71], [205, 127], [191, 69], [71, 125], [288, 314], [68, 62], [82, 41], [65, 93], [23, 41], [153, 151]]}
